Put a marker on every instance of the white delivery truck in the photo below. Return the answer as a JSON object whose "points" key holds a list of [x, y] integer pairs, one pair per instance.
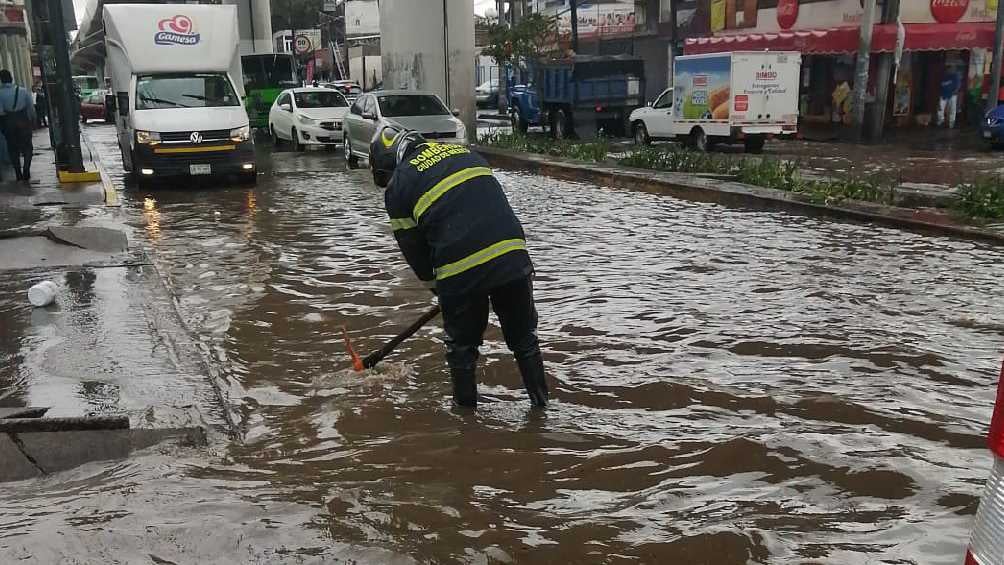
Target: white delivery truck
{"points": [[176, 74], [725, 98]]}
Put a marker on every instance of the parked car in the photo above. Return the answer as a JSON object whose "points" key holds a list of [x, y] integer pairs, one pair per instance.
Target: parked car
{"points": [[307, 116], [349, 88], [92, 107], [986, 546], [486, 95], [420, 111]]}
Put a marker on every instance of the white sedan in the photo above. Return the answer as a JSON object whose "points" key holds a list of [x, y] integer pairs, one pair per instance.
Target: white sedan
{"points": [[421, 111], [307, 116]]}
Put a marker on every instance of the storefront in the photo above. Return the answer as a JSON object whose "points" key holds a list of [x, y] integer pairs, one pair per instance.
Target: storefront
{"points": [[930, 52], [938, 38]]}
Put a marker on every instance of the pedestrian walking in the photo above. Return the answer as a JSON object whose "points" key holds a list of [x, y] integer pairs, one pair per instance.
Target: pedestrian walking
{"points": [[949, 101], [18, 124], [41, 106], [458, 233]]}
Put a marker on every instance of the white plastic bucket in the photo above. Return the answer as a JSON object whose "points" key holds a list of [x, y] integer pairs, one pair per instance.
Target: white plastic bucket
{"points": [[42, 294]]}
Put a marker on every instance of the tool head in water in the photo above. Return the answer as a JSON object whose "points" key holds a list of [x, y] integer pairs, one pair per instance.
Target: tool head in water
{"points": [[357, 363]]}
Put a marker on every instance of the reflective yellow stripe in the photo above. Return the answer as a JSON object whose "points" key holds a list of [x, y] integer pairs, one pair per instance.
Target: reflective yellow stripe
{"points": [[446, 184], [402, 223], [480, 258]]}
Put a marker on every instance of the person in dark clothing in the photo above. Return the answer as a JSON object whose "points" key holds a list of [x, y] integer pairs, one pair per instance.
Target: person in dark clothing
{"points": [[18, 123], [458, 233], [41, 107]]}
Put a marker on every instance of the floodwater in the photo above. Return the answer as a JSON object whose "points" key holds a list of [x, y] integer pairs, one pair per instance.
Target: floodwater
{"points": [[730, 386]]}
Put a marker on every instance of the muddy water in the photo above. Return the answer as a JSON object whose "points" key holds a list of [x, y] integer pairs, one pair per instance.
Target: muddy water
{"points": [[730, 386]]}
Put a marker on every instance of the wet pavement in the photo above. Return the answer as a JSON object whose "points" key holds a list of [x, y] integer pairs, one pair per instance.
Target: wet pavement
{"points": [[730, 386]]}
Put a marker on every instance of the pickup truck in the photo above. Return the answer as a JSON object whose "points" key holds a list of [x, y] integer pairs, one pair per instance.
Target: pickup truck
{"points": [[579, 95], [725, 98]]}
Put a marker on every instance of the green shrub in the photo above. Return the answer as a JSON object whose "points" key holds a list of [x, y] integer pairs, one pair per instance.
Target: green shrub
{"points": [[595, 151], [982, 198], [679, 161], [770, 173]]}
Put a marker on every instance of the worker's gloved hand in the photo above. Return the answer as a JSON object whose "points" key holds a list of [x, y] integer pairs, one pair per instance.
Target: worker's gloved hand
{"points": [[431, 285]]}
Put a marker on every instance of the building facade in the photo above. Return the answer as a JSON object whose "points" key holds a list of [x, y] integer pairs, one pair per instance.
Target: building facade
{"points": [[937, 38], [15, 43]]}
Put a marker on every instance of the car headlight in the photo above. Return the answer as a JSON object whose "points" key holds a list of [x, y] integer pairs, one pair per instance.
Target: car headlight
{"points": [[306, 120], [242, 133], [144, 137]]}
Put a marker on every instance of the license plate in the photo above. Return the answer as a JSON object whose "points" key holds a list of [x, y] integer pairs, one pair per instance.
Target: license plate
{"points": [[200, 169], [986, 134]]}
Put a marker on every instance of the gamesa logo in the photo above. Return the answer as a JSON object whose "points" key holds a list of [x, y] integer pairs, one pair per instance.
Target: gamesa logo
{"points": [[175, 31]]}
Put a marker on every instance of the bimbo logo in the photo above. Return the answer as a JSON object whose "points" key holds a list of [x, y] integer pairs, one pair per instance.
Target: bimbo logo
{"points": [[766, 75], [175, 31]]}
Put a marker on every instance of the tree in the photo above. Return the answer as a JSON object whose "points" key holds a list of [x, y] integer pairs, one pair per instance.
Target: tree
{"points": [[516, 46]]}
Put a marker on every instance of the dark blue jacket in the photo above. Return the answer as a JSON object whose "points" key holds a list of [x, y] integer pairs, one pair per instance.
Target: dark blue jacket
{"points": [[453, 222]]}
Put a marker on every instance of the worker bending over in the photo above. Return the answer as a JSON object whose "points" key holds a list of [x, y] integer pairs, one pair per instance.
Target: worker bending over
{"points": [[458, 233]]}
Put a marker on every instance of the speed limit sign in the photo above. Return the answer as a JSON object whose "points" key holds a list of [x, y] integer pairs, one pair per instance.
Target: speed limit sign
{"points": [[303, 44]]}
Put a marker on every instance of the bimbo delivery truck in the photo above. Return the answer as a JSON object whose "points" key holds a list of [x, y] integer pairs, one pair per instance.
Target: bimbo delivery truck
{"points": [[176, 74], [725, 98]]}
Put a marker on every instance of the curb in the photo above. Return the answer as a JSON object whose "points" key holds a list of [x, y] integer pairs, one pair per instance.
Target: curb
{"points": [[703, 189], [111, 195]]}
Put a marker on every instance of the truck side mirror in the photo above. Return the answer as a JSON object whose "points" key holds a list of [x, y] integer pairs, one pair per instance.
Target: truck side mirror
{"points": [[369, 116], [123, 103], [455, 112], [285, 107]]}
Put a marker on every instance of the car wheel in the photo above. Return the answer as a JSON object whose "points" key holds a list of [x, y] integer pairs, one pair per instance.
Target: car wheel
{"points": [[350, 159], [754, 144], [276, 142], [641, 134], [699, 140], [296, 140]]}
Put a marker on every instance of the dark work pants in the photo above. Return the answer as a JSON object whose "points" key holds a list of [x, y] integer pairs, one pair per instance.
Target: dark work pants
{"points": [[19, 146], [465, 319]]}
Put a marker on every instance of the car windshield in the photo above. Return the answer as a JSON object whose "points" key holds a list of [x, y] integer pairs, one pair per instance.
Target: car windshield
{"points": [[184, 90], [395, 105], [319, 99]]}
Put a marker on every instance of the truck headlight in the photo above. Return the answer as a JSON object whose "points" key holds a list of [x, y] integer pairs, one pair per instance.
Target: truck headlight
{"points": [[144, 137], [305, 120], [461, 130], [242, 133]]}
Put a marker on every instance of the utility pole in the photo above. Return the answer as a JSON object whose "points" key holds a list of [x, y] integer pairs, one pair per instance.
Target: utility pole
{"points": [[861, 72], [883, 74], [995, 67], [575, 24], [54, 53]]}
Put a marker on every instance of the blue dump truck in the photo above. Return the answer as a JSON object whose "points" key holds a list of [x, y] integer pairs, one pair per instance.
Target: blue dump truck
{"points": [[580, 95]]}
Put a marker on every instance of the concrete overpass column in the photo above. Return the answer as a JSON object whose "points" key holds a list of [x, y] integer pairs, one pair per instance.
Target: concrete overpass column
{"points": [[254, 17], [429, 45]]}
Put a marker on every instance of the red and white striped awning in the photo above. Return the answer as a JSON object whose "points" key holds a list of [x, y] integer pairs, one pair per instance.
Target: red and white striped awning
{"points": [[919, 37]]}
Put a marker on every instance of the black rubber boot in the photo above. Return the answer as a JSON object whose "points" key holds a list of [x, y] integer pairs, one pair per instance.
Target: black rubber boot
{"points": [[465, 389], [532, 369]]}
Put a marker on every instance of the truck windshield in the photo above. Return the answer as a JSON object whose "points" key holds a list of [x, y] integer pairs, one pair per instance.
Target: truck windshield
{"points": [[319, 99], [184, 90], [396, 105]]}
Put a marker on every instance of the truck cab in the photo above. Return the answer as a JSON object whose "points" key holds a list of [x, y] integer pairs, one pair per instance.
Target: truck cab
{"points": [[176, 74]]}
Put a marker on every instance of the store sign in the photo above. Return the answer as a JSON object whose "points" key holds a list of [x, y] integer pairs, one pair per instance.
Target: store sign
{"points": [[948, 11], [787, 12]]}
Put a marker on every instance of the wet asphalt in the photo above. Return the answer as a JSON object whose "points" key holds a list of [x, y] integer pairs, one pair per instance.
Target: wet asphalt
{"points": [[730, 386]]}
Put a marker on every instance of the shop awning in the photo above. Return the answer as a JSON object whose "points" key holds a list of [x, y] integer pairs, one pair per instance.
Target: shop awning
{"points": [[919, 37]]}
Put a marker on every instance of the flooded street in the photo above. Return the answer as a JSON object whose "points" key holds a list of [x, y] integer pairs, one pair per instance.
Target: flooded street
{"points": [[729, 386]]}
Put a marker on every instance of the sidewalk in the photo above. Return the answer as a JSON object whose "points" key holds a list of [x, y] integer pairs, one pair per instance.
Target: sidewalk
{"points": [[112, 343]]}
